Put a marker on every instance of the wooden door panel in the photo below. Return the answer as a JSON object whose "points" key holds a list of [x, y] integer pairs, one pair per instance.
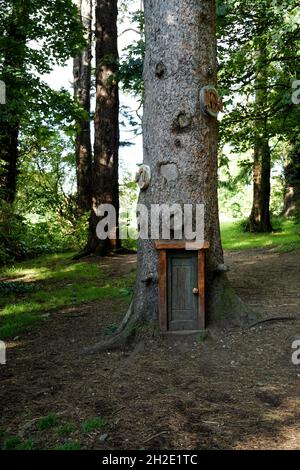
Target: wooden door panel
{"points": [[182, 303]]}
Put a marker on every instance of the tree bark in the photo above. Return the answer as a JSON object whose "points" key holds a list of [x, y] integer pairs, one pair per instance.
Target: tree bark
{"points": [[292, 183], [82, 92], [13, 71], [181, 46], [105, 174], [260, 218]]}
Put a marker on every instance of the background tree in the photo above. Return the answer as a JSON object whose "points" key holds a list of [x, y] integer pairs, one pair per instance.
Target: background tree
{"points": [[55, 28], [105, 170], [82, 91], [292, 181], [258, 43]]}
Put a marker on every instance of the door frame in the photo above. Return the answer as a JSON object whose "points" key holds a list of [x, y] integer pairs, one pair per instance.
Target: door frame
{"points": [[164, 247]]}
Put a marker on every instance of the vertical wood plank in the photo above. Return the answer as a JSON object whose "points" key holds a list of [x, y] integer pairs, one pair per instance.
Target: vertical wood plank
{"points": [[201, 287], [163, 295]]}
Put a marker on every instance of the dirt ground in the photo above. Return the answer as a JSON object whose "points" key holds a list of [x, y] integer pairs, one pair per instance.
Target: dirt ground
{"points": [[236, 390]]}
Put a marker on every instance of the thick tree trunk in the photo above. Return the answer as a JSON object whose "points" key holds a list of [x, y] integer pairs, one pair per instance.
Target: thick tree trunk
{"points": [[180, 146], [82, 92], [292, 183], [105, 174], [260, 218], [181, 42]]}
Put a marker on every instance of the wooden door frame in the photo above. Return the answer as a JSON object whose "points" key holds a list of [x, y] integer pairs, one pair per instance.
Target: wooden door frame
{"points": [[164, 247]]}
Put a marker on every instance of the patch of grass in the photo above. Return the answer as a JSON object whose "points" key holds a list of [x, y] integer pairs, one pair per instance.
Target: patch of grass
{"points": [[68, 446], [11, 443], [26, 445], [284, 239], [47, 422], [65, 430], [93, 424], [55, 281]]}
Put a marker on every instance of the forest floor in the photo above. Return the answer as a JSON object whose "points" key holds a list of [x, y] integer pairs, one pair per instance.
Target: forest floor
{"points": [[236, 390]]}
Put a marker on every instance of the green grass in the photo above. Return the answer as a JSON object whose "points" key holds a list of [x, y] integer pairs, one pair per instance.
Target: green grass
{"points": [[15, 443], [65, 430], [68, 446], [56, 281], [284, 239], [93, 424], [47, 422]]}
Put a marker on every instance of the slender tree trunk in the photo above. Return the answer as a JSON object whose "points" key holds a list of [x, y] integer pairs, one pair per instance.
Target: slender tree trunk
{"points": [[260, 218], [180, 147], [105, 175], [82, 92], [9, 155], [292, 183]]}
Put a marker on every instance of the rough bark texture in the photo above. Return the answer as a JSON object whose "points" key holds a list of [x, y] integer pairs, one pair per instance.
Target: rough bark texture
{"points": [[260, 219], [105, 174], [181, 42], [82, 92], [292, 183], [181, 35]]}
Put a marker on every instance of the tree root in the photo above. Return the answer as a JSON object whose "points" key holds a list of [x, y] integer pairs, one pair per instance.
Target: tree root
{"points": [[272, 319], [82, 254], [122, 338]]}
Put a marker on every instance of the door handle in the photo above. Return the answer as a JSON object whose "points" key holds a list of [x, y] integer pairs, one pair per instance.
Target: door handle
{"points": [[196, 291]]}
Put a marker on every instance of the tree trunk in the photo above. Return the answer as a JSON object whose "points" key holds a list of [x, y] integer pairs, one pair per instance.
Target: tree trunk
{"points": [[105, 174], [9, 155], [82, 92], [179, 136], [292, 183], [13, 73], [260, 218]]}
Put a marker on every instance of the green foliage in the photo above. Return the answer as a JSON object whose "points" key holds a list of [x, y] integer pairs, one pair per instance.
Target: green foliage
{"points": [[258, 53], [21, 237], [47, 422], [93, 424], [132, 62]]}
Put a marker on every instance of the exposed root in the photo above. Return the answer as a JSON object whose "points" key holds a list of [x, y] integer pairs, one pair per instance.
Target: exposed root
{"points": [[122, 338], [272, 319]]}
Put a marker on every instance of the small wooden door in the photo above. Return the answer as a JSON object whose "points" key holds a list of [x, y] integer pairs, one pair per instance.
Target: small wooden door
{"points": [[183, 299]]}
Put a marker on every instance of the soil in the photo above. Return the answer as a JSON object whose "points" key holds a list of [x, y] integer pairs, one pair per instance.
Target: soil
{"points": [[235, 390]]}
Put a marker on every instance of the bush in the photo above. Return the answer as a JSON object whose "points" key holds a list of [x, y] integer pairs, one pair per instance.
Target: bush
{"points": [[21, 238]]}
